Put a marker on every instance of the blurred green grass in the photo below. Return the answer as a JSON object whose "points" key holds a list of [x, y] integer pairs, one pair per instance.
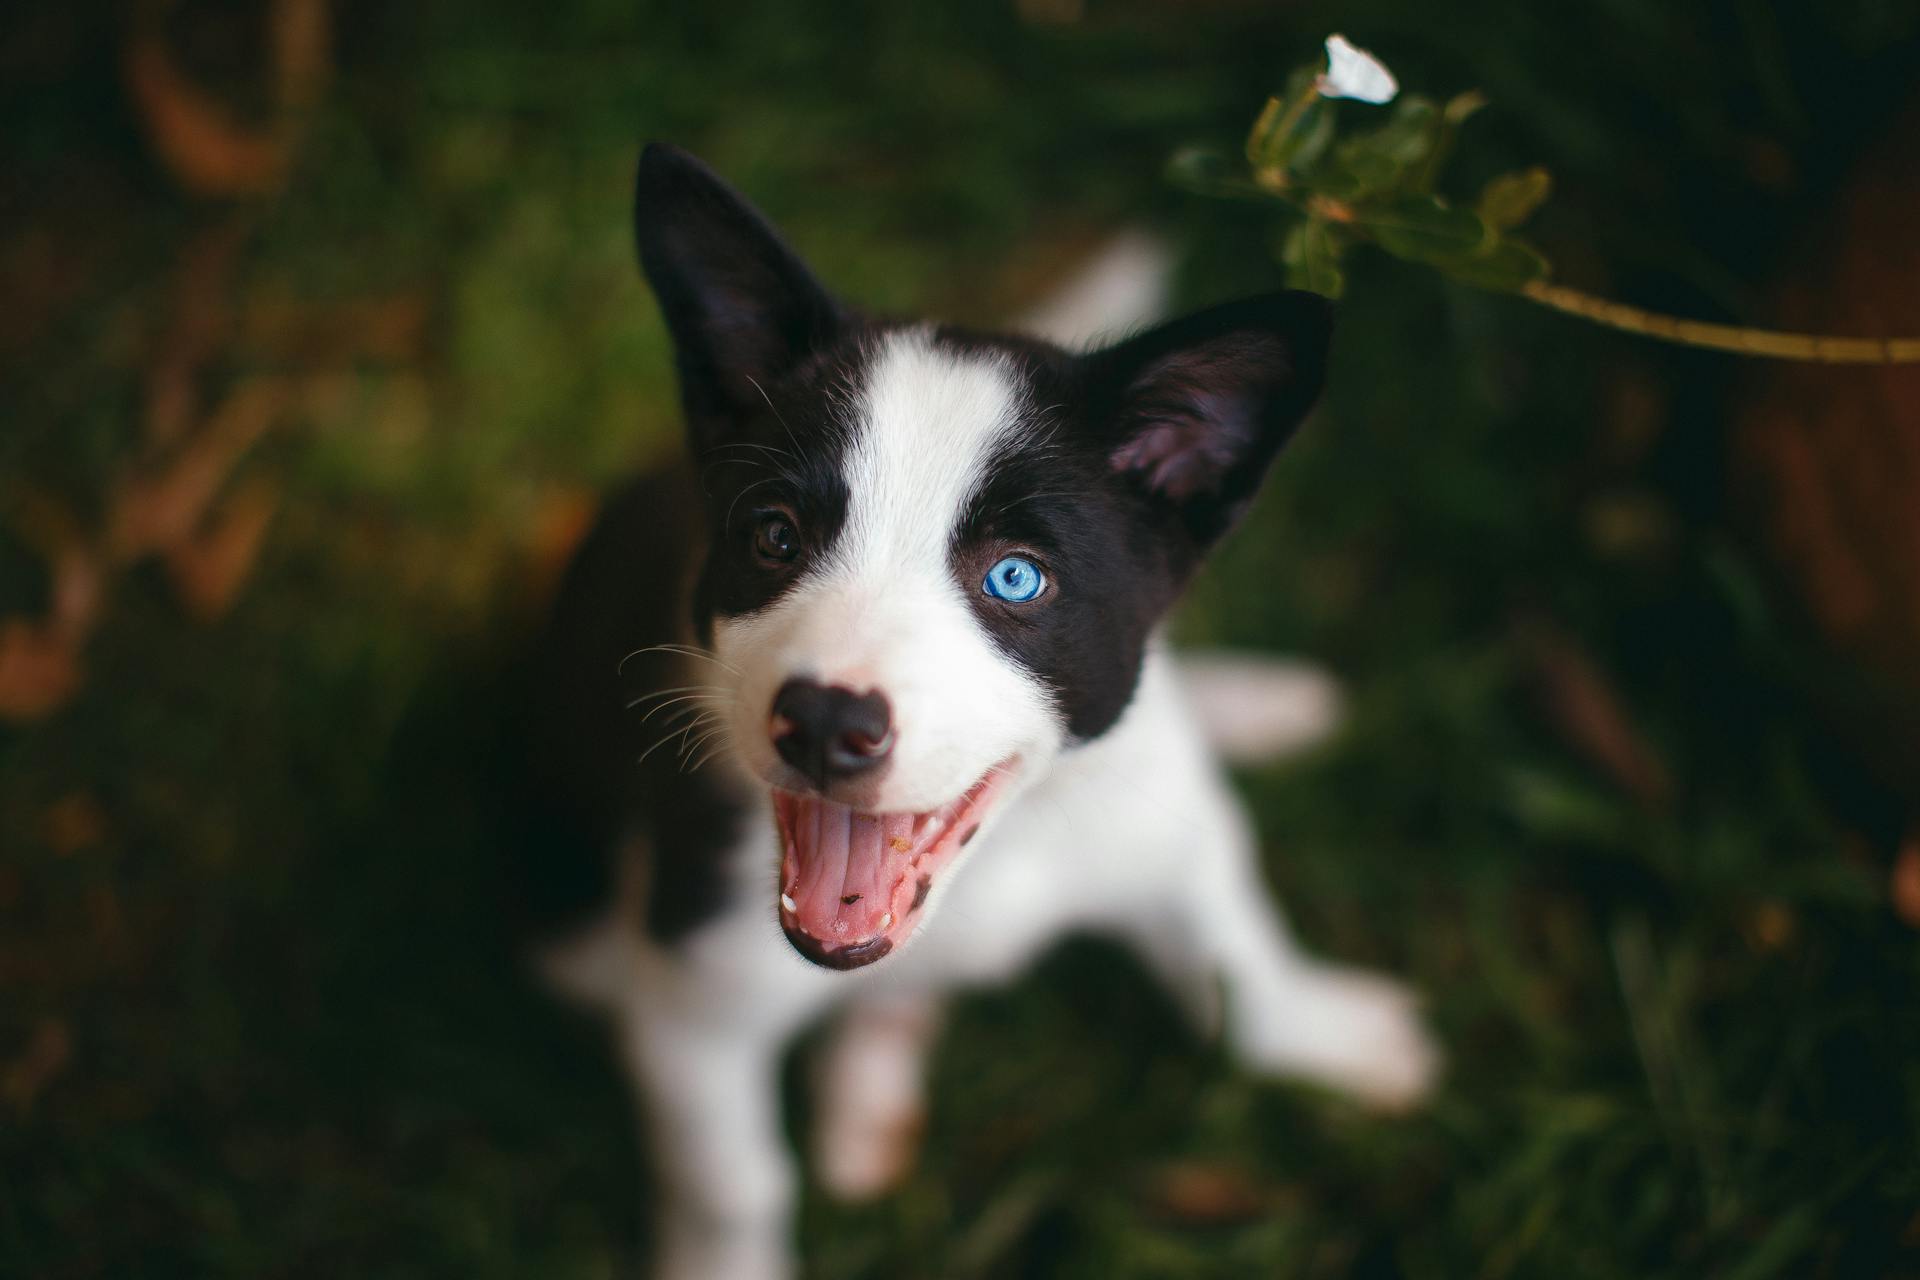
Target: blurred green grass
{"points": [[1682, 1034]]}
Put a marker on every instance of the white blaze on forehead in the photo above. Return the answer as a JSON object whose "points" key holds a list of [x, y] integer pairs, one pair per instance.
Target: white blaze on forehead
{"points": [[881, 609], [929, 422]]}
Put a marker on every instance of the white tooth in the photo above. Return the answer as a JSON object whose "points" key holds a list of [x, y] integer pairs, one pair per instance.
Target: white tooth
{"points": [[788, 903], [886, 921]]}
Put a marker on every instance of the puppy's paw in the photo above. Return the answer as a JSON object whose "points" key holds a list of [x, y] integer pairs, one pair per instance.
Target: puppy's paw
{"points": [[700, 1246], [1350, 1030], [872, 1100], [863, 1154]]}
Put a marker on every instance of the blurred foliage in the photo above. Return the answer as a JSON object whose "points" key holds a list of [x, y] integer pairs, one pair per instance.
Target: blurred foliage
{"points": [[1375, 186], [261, 1017], [1382, 187]]}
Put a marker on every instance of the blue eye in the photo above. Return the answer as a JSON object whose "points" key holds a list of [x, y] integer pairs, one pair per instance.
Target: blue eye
{"points": [[1014, 580]]}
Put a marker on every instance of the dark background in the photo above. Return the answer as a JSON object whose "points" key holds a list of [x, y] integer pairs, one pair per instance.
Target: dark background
{"points": [[321, 333]]}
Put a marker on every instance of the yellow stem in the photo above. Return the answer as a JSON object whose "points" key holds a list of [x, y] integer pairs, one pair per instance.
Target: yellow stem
{"points": [[1274, 177], [1722, 337]]}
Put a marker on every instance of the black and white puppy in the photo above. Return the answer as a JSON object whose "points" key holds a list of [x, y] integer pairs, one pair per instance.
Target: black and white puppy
{"points": [[904, 711]]}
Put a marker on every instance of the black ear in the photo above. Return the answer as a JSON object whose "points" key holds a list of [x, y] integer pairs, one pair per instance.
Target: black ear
{"points": [[741, 306], [1197, 409]]}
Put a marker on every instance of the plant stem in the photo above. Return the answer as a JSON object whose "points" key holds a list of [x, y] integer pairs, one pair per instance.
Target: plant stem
{"points": [[1274, 177], [1720, 337]]}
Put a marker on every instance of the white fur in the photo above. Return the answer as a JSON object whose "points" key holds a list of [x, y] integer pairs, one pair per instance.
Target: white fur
{"points": [[1256, 708], [1121, 288], [884, 612], [871, 1093], [1135, 834]]}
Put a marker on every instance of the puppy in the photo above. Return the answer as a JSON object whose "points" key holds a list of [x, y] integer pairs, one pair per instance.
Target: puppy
{"points": [[867, 702]]}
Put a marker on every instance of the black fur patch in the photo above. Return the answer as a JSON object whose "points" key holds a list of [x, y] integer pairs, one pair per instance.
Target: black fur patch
{"points": [[742, 306], [788, 461], [1139, 457], [586, 797], [1131, 462]]}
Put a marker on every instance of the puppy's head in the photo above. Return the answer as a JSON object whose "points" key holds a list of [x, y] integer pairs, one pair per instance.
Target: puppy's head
{"points": [[935, 556]]}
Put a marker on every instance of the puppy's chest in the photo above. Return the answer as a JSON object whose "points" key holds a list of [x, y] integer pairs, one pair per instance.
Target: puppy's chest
{"points": [[1086, 849]]}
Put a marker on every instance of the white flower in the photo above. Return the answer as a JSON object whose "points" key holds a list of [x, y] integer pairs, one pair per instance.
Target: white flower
{"points": [[1355, 73]]}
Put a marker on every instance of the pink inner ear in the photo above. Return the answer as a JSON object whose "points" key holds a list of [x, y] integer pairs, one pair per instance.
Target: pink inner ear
{"points": [[1196, 413], [1180, 459]]}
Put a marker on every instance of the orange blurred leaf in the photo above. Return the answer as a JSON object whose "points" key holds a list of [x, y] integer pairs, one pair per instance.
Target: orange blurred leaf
{"points": [[1905, 883], [39, 669], [40, 665], [156, 510], [1196, 1191], [208, 571], [72, 823], [205, 147], [1582, 705]]}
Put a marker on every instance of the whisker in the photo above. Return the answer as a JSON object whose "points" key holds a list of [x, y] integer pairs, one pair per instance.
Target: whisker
{"points": [[697, 714], [665, 738], [776, 412], [707, 469], [728, 518], [687, 697], [680, 688], [694, 717], [717, 748], [690, 744], [681, 650], [748, 444], [684, 720], [695, 746]]}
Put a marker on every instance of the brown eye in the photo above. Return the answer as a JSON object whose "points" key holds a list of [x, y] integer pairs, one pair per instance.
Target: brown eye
{"points": [[777, 539]]}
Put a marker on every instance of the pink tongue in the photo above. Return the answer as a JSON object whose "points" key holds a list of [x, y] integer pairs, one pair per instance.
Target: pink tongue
{"points": [[843, 868]]}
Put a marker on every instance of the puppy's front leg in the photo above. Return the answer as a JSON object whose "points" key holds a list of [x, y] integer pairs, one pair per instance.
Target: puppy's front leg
{"points": [[1287, 1014], [709, 1093], [871, 1094]]}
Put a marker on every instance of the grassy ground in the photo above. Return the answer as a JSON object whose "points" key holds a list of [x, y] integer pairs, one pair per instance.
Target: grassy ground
{"points": [[259, 1014]]}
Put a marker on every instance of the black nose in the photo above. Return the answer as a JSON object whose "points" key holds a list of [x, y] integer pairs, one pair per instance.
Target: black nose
{"points": [[829, 732]]}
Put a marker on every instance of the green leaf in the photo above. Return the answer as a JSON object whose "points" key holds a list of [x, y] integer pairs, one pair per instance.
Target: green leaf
{"points": [[1311, 254], [1408, 136], [1314, 134], [1511, 198], [1462, 105], [1554, 806], [1426, 229], [1385, 159], [1353, 174], [1209, 173], [1445, 134], [1509, 266], [1291, 132]]}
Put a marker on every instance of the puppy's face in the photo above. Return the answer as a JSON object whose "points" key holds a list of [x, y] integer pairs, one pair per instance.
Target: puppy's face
{"points": [[935, 557]]}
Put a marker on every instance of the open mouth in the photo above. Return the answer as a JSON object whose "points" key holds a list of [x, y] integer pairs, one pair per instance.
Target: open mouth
{"points": [[852, 883]]}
